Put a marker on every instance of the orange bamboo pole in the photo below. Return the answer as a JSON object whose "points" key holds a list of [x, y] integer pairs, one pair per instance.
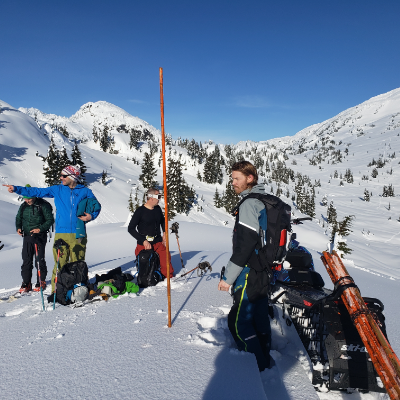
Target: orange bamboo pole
{"points": [[385, 361], [165, 194]]}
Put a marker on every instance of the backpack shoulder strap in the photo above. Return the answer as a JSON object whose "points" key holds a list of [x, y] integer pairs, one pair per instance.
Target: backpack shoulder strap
{"points": [[22, 207], [268, 200]]}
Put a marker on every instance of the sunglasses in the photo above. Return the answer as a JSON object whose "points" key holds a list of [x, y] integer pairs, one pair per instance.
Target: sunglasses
{"points": [[64, 176], [155, 196]]}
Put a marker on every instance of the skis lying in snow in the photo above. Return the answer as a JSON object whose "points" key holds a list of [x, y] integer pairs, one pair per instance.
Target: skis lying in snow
{"points": [[85, 302], [15, 296]]}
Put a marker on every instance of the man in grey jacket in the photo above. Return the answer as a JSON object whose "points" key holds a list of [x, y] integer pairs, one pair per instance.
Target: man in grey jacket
{"points": [[248, 321]]}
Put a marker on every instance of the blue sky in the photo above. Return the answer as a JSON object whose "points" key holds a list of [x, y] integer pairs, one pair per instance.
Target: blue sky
{"points": [[233, 70]]}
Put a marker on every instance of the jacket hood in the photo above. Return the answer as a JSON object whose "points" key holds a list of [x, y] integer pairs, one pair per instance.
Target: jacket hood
{"points": [[255, 189]]}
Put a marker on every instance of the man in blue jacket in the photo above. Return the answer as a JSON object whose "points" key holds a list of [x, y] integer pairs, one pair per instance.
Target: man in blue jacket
{"points": [[67, 197]]}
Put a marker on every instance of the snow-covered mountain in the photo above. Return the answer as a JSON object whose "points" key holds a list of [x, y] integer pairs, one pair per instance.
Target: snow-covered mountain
{"points": [[361, 139]]}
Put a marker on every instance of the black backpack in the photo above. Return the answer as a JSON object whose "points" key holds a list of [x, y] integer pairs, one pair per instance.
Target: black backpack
{"points": [[270, 250], [70, 275], [148, 264]]}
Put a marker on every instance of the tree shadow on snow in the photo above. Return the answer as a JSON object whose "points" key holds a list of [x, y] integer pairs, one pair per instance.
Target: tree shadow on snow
{"points": [[11, 153], [2, 124], [92, 177]]}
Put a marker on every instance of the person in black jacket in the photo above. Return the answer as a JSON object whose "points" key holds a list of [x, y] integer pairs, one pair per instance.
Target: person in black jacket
{"points": [[34, 219], [248, 319], [145, 228]]}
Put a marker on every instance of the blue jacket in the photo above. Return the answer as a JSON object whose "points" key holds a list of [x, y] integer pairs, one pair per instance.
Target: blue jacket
{"points": [[89, 205], [66, 201]]}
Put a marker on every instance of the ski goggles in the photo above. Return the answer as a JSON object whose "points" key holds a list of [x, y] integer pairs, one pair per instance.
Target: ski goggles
{"points": [[154, 196]]}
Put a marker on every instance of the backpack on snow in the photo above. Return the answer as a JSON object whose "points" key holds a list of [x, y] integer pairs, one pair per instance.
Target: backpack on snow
{"points": [[72, 281], [148, 264], [271, 249]]}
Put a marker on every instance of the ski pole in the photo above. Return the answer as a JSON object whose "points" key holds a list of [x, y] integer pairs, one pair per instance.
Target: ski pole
{"points": [[203, 266], [174, 229], [38, 270], [55, 280], [188, 272]]}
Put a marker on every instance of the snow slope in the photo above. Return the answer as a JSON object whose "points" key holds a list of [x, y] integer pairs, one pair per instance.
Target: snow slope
{"points": [[198, 359], [124, 349]]}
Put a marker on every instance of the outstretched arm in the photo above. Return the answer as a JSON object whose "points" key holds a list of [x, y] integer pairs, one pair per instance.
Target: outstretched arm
{"points": [[10, 188]]}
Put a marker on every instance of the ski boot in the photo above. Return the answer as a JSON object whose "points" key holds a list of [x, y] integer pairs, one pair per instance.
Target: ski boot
{"points": [[37, 286], [25, 287]]}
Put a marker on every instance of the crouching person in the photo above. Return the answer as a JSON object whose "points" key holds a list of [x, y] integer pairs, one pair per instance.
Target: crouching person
{"points": [[248, 319], [145, 228]]}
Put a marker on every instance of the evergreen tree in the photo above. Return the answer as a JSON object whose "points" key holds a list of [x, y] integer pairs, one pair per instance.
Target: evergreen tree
{"points": [[212, 167], [343, 230], [148, 172], [104, 178], [64, 161], [95, 135], [217, 199], [324, 201], [136, 204], [366, 195], [134, 139], [51, 166], [311, 204], [131, 207], [349, 176], [388, 191], [190, 199], [76, 157], [230, 198], [180, 196], [105, 139], [331, 214]]}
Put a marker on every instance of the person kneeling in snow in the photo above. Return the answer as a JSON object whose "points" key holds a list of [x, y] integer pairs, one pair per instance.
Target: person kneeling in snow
{"points": [[248, 319], [145, 228], [67, 198]]}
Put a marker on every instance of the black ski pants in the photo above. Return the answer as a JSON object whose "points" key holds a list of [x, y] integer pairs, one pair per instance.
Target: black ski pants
{"points": [[29, 255], [250, 327]]}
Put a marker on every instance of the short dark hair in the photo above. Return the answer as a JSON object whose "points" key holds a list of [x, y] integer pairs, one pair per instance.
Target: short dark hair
{"points": [[152, 190], [247, 169]]}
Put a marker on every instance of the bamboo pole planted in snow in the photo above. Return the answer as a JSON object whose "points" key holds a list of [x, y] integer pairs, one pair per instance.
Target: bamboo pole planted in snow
{"points": [[165, 194]]}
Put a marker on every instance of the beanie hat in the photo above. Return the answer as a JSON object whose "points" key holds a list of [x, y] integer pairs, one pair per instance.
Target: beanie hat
{"points": [[73, 172], [27, 197]]}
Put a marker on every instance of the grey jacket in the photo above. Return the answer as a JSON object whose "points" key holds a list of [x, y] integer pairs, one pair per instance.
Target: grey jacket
{"points": [[246, 234]]}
